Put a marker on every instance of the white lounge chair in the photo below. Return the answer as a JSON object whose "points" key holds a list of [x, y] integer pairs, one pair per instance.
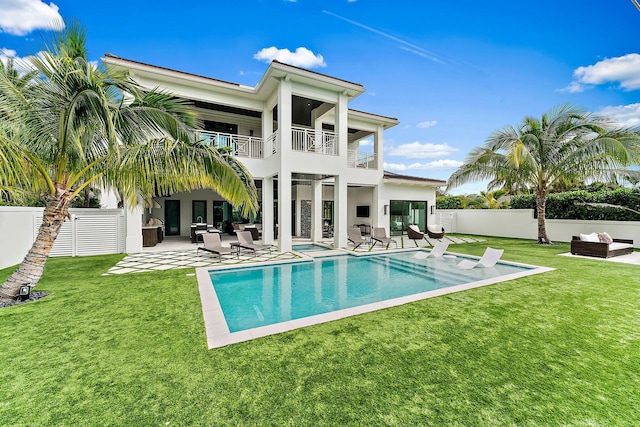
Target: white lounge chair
{"points": [[438, 250], [489, 259]]}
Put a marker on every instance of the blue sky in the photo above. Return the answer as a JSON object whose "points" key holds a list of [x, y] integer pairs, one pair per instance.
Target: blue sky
{"points": [[451, 72]]}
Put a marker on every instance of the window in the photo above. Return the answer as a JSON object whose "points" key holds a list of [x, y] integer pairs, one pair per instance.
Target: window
{"points": [[199, 211]]}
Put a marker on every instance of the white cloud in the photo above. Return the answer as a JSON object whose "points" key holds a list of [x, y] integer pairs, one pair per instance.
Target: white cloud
{"points": [[366, 142], [419, 150], [426, 124], [20, 17], [435, 165], [624, 70], [22, 65], [302, 57], [623, 115]]}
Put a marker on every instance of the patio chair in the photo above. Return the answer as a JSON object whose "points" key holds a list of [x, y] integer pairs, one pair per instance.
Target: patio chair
{"points": [[435, 231], [354, 235], [245, 241], [213, 244], [488, 259], [438, 250], [414, 233], [379, 234]]}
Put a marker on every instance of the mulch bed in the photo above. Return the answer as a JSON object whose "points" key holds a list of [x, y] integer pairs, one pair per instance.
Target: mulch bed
{"points": [[34, 296]]}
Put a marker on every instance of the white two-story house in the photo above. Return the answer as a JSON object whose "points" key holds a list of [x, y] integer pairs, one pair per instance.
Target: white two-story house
{"points": [[317, 164]]}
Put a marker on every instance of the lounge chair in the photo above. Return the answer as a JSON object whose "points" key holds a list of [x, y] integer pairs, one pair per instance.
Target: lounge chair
{"points": [[414, 233], [435, 231], [379, 234], [354, 235], [213, 244], [245, 241], [489, 259], [438, 250]]}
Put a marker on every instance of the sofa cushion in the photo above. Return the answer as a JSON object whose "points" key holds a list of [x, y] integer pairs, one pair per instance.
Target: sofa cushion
{"points": [[617, 245], [605, 238], [593, 237], [415, 228], [436, 228]]}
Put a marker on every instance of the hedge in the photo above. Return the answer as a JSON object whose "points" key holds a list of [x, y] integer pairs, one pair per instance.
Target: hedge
{"points": [[564, 205]]}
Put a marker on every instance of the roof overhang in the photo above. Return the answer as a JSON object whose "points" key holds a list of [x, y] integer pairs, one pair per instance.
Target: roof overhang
{"points": [[412, 180]]}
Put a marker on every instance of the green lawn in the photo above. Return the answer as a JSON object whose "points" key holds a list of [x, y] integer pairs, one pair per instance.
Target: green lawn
{"points": [[561, 348]]}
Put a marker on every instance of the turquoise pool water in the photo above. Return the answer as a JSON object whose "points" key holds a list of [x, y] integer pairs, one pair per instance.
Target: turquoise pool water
{"points": [[260, 296], [308, 247]]}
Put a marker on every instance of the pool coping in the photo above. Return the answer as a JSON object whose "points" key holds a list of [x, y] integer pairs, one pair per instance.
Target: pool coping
{"points": [[218, 334]]}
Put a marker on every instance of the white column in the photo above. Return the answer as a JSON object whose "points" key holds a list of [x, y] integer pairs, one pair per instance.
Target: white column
{"points": [[378, 142], [267, 130], [133, 226], [284, 174], [340, 188], [340, 211], [284, 211], [267, 210], [316, 211], [377, 213]]}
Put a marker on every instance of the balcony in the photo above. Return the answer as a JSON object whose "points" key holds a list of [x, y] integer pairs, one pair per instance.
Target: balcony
{"points": [[355, 159], [303, 139], [238, 145]]}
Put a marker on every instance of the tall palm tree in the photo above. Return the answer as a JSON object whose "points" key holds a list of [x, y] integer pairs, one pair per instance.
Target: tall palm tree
{"points": [[75, 125], [566, 143]]}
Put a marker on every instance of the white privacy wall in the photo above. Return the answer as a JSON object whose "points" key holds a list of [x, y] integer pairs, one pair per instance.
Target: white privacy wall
{"points": [[87, 232], [520, 223]]}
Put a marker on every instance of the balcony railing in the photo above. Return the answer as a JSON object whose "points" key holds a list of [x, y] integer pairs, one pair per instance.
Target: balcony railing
{"points": [[271, 144], [238, 145], [303, 139], [355, 159]]}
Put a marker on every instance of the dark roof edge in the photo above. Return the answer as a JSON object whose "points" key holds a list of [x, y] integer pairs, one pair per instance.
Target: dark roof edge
{"points": [[391, 175]]}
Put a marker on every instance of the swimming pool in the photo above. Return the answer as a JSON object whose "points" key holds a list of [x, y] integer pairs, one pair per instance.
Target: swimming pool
{"points": [[256, 301]]}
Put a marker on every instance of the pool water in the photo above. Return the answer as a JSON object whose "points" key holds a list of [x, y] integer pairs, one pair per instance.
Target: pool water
{"points": [[260, 296], [308, 247]]}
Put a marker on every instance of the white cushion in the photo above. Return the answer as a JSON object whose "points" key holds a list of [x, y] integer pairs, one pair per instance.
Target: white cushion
{"points": [[436, 228], [415, 228], [617, 245], [593, 237]]}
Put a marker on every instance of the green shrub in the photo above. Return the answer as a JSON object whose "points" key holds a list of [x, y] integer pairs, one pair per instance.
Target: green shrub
{"points": [[568, 205]]}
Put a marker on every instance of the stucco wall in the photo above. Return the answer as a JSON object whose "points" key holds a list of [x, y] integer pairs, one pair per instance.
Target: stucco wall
{"points": [[520, 223]]}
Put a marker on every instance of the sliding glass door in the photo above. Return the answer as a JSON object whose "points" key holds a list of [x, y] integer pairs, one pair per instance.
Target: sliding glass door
{"points": [[404, 213]]}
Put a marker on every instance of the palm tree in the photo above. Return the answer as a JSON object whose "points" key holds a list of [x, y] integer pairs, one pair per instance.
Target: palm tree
{"points": [[566, 143], [74, 125]]}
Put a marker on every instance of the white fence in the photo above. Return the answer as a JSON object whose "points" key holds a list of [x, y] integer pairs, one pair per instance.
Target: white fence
{"points": [[88, 232], [520, 223]]}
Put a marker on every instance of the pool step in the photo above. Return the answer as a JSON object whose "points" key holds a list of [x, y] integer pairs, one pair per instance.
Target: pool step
{"points": [[445, 277]]}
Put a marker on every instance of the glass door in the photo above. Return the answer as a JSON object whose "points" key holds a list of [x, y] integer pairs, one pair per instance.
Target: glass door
{"points": [[404, 213], [172, 217]]}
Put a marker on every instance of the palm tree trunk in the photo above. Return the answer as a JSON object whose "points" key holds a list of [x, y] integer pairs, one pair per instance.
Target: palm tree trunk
{"points": [[541, 207], [30, 271]]}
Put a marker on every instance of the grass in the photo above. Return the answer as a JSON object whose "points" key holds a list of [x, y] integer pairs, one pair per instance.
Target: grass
{"points": [[561, 348]]}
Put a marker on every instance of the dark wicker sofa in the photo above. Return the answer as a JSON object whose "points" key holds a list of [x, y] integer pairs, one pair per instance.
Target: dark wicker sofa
{"points": [[599, 249]]}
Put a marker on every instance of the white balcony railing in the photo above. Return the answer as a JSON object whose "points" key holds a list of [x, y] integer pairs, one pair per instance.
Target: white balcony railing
{"points": [[238, 145], [355, 159], [303, 139], [271, 144]]}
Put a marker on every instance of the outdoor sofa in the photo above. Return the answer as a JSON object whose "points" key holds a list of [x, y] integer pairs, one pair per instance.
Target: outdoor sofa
{"points": [[585, 244]]}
